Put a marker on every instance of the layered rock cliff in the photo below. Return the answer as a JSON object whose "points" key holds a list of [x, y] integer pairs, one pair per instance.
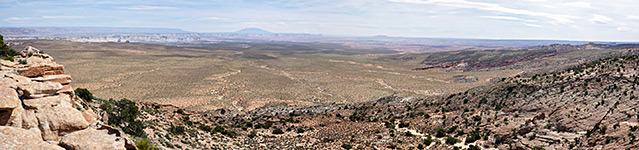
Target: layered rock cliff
{"points": [[39, 110]]}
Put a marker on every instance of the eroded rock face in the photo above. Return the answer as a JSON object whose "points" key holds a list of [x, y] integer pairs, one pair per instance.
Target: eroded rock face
{"points": [[38, 107], [94, 138], [18, 138]]}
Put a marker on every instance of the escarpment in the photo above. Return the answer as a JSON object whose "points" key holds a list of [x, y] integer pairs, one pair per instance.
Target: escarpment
{"points": [[39, 110]]}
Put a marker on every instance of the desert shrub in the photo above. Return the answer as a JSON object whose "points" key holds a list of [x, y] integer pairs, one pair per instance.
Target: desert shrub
{"points": [[473, 147], [9, 58], [277, 131], [124, 114], [84, 94], [252, 134], [474, 136], [144, 144], [451, 140], [428, 140], [221, 130], [205, 128], [403, 124], [300, 130], [347, 146], [175, 130], [440, 132], [22, 61]]}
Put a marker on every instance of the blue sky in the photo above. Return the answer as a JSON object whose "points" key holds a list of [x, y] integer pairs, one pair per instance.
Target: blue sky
{"points": [[609, 20]]}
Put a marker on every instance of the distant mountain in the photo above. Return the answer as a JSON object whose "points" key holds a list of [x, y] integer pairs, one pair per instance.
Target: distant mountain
{"points": [[253, 31]]}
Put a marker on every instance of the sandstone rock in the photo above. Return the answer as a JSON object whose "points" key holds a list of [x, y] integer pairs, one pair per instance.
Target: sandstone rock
{"points": [[7, 63], [8, 102], [17, 138], [56, 121], [95, 138], [62, 79], [35, 60], [54, 72], [50, 101], [89, 116], [67, 89], [32, 71], [39, 69], [40, 89], [29, 49], [8, 98]]}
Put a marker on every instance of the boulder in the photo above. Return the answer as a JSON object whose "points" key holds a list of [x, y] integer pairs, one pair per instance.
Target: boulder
{"points": [[18, 138], [29, 50], [95, 138], [8, 98], [40, 89], [59, 120], [8, 102]]}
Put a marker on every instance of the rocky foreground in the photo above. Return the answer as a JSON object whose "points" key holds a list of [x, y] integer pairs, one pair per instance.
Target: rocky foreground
{"points": [[39, 110]]}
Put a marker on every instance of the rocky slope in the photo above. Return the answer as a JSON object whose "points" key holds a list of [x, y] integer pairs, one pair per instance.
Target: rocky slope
{"points": [[589, 106], [38, 109]]}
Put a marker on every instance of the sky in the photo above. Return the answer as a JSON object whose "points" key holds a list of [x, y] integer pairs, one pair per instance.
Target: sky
{"points": [[590, 20]]}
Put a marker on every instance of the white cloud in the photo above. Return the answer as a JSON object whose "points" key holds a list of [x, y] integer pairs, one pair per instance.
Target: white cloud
{"points": [[507, 18], [210, 18], [627, 29], [633, 17], [562, 19], [63, 17], [599, 19], [13, 19], [143, 7], [577, 4], [534, 25]]}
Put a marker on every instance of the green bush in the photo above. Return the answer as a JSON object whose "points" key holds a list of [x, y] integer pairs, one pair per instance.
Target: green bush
{"points": [[84, 94], [5, 50], [440, 132], [278, 131], [346, 146], [451, 140], [144, 144], [176, 130], [223, 131], [205, 128], [428, 140], [9, 58], [22, 61], [124, 114]]}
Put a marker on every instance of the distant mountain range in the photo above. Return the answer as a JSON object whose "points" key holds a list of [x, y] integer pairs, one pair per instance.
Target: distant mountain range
{"points": [[170, 35]]}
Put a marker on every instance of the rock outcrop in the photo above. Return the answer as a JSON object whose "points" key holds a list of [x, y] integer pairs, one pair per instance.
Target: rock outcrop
{"points": [[39, 110]]}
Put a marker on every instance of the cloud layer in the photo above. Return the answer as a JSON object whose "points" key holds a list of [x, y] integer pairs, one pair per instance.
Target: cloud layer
{"points": [[614, 20]]}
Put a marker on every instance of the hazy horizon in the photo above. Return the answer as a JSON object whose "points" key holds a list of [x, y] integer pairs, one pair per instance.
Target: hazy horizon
{"points": [[474, 19]]}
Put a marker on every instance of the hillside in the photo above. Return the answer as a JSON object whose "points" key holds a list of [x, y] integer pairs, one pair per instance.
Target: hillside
{"points": [[589, 106]]}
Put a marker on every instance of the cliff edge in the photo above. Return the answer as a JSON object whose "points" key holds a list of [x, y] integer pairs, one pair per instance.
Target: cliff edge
{"points": [[39, 109]]}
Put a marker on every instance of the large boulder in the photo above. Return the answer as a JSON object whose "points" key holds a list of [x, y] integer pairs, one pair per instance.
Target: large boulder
{"points": [[8, 102], [40, 89], [18, 138], [59, 120], [103, 137]]}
